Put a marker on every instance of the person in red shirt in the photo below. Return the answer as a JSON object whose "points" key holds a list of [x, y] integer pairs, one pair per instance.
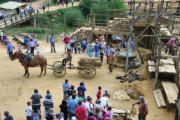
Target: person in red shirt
{"points": [[66, 42], [98, 95], [80, 112]]}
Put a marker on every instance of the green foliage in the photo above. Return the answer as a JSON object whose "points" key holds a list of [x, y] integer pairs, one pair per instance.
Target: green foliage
{"points": [[117, 4], [73, 15], [101, 7], [85, 6], [42, 20]]}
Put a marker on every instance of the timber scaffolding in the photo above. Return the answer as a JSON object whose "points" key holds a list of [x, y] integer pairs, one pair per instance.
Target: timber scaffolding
{"points": [[149, 15], [15, 19]]}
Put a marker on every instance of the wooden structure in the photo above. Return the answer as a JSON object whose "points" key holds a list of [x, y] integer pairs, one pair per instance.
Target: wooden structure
{"points": [[171, 92], [86, 67], [159, 98], [12, 21]]}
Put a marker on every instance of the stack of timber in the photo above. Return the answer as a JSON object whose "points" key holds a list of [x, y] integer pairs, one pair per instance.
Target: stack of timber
{"points": [[166, 66], [89, 62], [171, 92], [159, 98]]}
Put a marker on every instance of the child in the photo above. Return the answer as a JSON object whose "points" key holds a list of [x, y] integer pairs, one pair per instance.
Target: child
{"points": [[101, 55], [19, 48], [109, 111], [28, 111], [99, 93]]}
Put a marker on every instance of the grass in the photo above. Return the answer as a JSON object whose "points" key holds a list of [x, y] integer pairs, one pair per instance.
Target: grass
{"points": [[40, 33]]}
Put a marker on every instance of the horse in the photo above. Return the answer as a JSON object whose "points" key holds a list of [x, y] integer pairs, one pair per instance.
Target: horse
{"points": [[31, 61]]}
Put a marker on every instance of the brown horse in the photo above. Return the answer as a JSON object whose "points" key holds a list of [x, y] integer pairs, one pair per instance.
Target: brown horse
{"points": [[33, 61]]}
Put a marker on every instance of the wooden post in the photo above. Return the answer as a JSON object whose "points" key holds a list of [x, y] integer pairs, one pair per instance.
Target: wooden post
{"points": [[128, 50], [177, 80], [65, 24]]}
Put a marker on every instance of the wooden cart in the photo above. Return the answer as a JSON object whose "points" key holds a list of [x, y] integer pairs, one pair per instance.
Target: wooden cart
{"points": [[86, 67]]}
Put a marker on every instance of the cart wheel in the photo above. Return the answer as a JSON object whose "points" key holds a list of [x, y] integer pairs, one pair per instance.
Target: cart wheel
{"points": [[57, 63], [88, 72], [59, 71]]}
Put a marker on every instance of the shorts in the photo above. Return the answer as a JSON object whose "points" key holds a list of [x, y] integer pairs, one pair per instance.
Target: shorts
{"points": [[65, 45]]}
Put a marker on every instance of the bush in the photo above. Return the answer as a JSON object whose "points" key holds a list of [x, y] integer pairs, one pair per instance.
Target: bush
{"points": [[72, 15]]}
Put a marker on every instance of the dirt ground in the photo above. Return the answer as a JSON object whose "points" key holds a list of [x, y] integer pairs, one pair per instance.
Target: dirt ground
{"points": [[16, 90]]}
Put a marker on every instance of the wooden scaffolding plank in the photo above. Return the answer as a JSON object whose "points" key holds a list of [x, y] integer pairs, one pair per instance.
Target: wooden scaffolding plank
{"points": [[159, 98], [171, 91]]}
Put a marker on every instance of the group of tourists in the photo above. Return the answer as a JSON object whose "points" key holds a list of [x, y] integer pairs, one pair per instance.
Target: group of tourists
{"points": [[75, 105], [24, 11], [99, 48], [31, 43]]}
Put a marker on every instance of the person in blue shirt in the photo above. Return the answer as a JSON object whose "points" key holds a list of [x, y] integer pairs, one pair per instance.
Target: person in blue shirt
{"points": [[96, 49], [84, 45], [52, 40], [81, 90], [25, 41], [66, 87], [72, 105], [10, 48], [48, 94]]}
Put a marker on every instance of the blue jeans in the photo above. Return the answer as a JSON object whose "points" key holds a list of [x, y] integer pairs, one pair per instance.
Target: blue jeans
{"points": [[141, 117], [28, 48], [97, 54]]}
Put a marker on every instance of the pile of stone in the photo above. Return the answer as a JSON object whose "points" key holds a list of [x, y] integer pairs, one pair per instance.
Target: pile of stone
{"points": [[130, 77]]}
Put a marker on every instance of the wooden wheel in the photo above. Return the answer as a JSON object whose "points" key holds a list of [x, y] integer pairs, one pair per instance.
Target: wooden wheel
{"points": [[57, 63], [88, 72], [59, 71]]}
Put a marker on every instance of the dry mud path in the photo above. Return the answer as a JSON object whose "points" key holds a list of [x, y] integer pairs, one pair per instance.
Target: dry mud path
{"points": [[16, 90]]}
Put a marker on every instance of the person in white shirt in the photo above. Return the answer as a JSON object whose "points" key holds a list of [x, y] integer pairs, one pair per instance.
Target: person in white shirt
{"points": [[87, 106], [28, 111], [98, 105], [27, 9], [22, 12], [105, 100]]}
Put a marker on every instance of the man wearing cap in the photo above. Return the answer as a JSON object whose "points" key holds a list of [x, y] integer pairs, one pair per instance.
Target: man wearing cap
{"points": [[7, 116], [143, 108]]}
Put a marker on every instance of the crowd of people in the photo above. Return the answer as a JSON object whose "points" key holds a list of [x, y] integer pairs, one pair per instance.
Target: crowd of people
{"points": [[24, 11], [75, 105]]}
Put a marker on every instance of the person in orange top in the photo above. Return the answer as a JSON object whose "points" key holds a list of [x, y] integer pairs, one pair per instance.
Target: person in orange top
{"points": [[98, 95], [143, 108]]}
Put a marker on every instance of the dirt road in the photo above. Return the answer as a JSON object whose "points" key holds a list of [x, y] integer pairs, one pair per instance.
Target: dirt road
{"points": [[16, 90]]}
